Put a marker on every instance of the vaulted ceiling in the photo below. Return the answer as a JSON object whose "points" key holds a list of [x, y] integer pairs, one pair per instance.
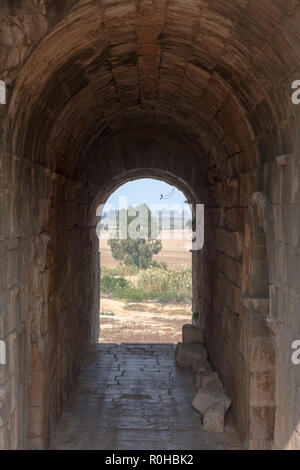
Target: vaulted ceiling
{"points": [[218, 73]]}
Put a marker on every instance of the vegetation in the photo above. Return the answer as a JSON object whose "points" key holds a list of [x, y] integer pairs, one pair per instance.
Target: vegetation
{"points": [[195, 316], [154, 283], [119, 270], [130, 293], [136, 251], [159, 265], [166, 285], [108, 283], [107, 314]]}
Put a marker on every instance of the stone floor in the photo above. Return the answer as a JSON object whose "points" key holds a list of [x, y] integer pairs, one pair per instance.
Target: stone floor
{"points": [[134, 397]]}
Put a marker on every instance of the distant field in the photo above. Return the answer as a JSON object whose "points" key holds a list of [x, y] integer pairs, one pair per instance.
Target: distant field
{"points": [[174, 252]]}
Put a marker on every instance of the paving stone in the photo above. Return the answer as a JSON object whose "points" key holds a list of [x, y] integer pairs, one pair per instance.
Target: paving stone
{"points": [[125, 416]]}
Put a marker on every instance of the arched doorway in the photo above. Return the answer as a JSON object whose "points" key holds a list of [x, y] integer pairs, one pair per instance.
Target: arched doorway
{"points": [[189, 199], [145, 295]]}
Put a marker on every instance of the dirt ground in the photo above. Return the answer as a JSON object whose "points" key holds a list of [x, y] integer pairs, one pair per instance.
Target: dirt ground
{"points": [[175, 252], [143, 322]]}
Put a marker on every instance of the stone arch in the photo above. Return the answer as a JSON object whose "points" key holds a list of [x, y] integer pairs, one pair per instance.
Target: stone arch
{"points": [[92, 89], [106, 190]]}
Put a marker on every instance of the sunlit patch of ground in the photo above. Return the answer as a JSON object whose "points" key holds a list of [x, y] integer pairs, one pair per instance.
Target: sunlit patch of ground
{"points": [[145, 322]]}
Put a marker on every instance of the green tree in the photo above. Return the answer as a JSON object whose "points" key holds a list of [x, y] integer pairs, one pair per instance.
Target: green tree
{"points": [[140, 244]]}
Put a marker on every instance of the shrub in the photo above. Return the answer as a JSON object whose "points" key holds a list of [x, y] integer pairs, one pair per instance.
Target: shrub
{"points": [[136, 251], [159, 265], [129, 293], [109, 283], [195, 316]]}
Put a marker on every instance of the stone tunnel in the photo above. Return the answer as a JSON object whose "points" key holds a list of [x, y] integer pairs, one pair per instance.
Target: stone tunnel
{"points": [[197, 93]]}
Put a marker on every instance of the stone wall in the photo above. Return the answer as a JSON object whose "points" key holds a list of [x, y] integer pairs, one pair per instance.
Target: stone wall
{"points": [[197, 94], [281, 182], [236, 321], [44, 319]]}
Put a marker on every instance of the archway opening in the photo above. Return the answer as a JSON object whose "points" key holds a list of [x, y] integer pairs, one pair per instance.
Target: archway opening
{"points": [[146, 269]]}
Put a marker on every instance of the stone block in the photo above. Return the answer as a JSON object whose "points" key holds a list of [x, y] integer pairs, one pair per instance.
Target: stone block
{"points": [[185, 354], [200, 365], [35, 421], [192, 334], [204, 399], [213, 418], [262, 421], [208, 380]]}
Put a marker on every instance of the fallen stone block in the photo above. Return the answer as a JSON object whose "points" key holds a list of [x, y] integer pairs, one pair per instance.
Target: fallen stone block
{"points": [[185, 354], [192, 334], [207, 380], [200, 365], [212, 381], [213, 418], [205, 398]]}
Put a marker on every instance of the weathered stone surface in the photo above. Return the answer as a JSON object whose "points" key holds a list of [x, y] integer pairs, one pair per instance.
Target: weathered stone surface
{"points": [[213, 418], [198, 95], [200, 365], [262, 422], [186, 354], [192, 334], [207, 380], [204, 399]]}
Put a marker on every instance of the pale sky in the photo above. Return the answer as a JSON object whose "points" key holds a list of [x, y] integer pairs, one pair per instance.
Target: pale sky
{"points": [[147, 191]]}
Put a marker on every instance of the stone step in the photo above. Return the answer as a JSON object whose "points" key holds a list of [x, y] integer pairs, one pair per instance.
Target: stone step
{"points": [[192, 334], [187, 354]]}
